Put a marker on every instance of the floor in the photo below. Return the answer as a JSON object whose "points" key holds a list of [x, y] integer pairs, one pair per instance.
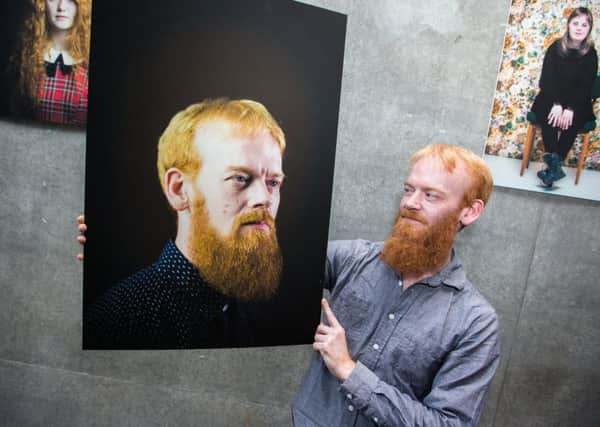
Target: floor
{"points": [[506, 174]]}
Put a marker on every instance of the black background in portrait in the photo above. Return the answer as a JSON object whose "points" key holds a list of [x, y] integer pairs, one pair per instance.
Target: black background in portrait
{"points": [[13, 15], [148, 62]]}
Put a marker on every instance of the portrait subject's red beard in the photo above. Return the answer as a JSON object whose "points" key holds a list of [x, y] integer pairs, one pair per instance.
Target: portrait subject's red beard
{"points": [[421, 248], [246, 264]]}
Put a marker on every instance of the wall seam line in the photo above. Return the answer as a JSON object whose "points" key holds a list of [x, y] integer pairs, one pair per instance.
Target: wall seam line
{"points": [[138, 383], [521, 308]]}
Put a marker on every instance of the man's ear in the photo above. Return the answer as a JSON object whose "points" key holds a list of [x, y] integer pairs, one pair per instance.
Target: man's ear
{"points": [[470, 213], [175, 189]]}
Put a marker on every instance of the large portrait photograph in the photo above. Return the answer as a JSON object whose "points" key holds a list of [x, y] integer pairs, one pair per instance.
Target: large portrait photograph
{"points": [[209, 172], [543, 134], [44, 64]]}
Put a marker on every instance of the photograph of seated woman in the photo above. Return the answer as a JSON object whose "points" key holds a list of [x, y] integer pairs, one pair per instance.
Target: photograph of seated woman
{"points": [[564, 104], [52, 62]]}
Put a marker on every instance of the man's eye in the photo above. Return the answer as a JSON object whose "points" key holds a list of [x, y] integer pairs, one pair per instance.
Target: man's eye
{"points": [[241, 179], [273, 183], [431, 196]]}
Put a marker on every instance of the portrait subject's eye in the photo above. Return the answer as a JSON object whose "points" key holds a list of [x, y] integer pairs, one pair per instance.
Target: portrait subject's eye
{"points": [[273, 183], [241, 180]]}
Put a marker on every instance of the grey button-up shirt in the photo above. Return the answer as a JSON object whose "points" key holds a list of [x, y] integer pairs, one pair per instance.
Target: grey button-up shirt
{"points": [[425, 355]]}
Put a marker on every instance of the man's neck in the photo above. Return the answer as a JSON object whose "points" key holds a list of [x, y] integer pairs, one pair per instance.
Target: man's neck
{"points": [[409, 279], [182, 239]]}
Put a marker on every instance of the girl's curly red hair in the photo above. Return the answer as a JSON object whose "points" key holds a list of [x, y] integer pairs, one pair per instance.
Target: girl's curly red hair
{"points": [[36, 41]]}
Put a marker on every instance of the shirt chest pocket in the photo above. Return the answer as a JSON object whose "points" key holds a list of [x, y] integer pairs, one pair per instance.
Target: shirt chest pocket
{"points": [[415, 361], [352, 310]]}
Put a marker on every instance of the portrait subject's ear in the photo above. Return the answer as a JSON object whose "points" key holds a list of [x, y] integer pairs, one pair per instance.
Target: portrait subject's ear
{"points": [[470, 213], [175, 189]]}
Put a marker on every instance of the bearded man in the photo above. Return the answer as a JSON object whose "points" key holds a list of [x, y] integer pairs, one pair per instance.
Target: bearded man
{"points": [[220, 167], [408, 340]]}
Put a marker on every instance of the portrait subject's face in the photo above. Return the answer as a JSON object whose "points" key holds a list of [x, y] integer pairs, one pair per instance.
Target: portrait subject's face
{"points": [[239, 174], [61, 14], [579, 28], [233, 240]]}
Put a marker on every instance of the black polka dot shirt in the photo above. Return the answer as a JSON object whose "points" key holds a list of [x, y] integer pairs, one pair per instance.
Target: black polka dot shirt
{"points": [[165, 305]]}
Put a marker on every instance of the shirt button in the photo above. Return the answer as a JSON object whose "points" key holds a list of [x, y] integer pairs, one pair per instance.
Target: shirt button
{"points": [[375, 420], [391, 316], [349, 396], [225, 307], [350, 408], [376, 346]]}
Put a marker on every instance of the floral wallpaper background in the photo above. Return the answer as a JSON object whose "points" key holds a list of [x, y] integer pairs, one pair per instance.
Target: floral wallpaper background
{"points": [[532, 27]]}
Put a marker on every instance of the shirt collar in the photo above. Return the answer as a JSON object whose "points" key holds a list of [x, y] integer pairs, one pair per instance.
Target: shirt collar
{"points": [[52, 54], [452, 274], [173, 261], [187, 278]]}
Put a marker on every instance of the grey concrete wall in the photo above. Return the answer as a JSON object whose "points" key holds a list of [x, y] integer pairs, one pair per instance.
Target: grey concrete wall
{"points": [[414, 73]]}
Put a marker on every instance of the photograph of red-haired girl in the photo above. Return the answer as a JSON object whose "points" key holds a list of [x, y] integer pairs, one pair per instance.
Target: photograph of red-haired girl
{"points": [[46, 49]]}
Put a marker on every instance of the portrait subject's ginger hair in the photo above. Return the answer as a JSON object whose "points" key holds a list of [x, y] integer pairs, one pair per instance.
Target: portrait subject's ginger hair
{"points": [[36, 42], [453, 156], [176, 148], [565, 40]]}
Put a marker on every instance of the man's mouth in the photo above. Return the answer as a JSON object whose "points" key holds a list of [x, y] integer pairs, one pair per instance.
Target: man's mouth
{"points": [[412, 218], [259, 225]]}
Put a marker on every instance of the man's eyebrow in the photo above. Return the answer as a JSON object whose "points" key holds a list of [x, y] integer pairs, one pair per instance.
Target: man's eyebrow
{"points": [[250, 171], [244, 169], [434, 189]]}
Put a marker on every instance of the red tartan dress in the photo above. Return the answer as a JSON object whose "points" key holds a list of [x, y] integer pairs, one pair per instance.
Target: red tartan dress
{"points": [[63, 98]]}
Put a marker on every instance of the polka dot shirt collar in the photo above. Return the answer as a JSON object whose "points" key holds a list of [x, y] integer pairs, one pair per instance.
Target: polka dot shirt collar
{"points": [[185, 275]]}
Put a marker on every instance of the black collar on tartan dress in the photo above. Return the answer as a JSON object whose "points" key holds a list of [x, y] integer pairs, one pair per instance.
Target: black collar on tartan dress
{"points": [[59, 62]]}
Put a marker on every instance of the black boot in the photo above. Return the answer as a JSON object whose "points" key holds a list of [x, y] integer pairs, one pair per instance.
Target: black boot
{"points": [[542, 174], [555, 171]]}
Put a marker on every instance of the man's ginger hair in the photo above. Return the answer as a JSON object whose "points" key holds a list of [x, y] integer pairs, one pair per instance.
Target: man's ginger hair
{"points": [[453, 156], [176, 148], [36, 42]]}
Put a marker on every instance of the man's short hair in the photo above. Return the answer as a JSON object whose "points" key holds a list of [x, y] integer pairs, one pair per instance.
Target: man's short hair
{"points": [[451, 155], [176, 147]]}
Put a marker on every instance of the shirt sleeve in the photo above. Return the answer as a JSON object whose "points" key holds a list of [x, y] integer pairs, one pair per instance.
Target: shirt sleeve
{"points": [[582, 93], [549, 81], [82, 109], [340, 255], [458, 391]]}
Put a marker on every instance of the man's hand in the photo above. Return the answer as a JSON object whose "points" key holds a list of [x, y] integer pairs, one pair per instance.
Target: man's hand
{"points": [[82, 228], [330, 341]]}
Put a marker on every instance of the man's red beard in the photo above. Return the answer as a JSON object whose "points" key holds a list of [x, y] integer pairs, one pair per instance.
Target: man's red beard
{"points": [[240, 265], [419, 248]]}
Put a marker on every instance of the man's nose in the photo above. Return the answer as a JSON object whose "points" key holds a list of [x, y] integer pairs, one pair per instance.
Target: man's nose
{"points": [[412, 200], [259, 195]]}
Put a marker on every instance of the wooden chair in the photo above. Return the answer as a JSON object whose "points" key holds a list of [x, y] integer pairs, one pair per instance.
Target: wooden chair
{"points": [[586, 130]]}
